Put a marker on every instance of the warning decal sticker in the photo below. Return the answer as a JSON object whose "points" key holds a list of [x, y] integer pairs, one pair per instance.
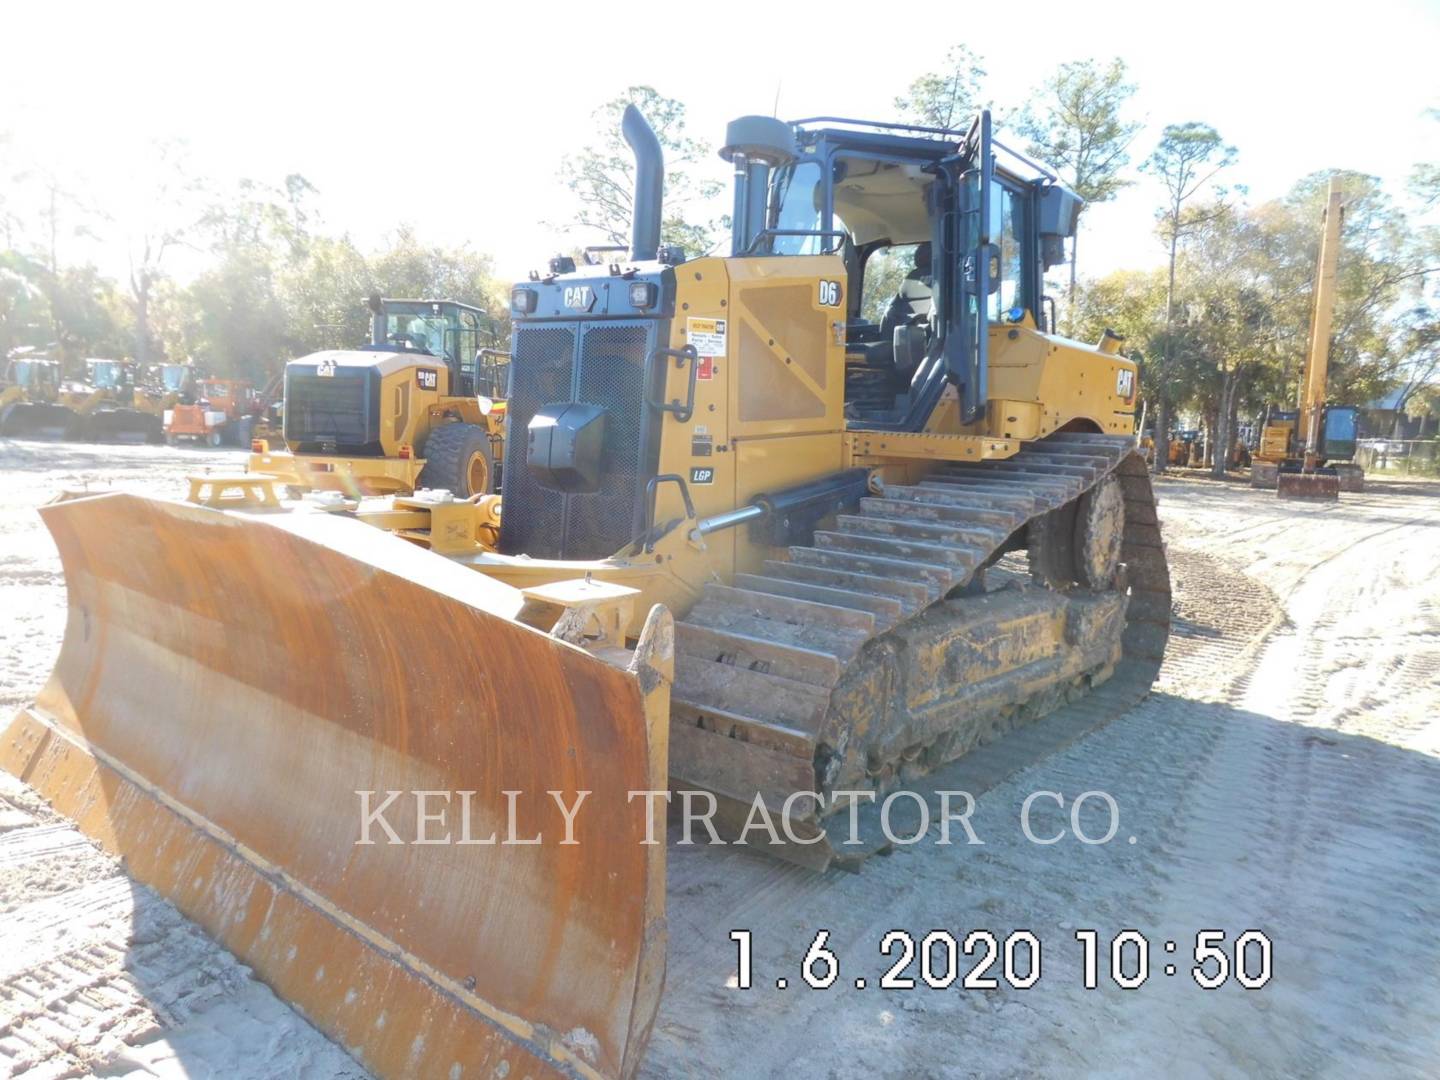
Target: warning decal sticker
{"points": [[707, 336]]}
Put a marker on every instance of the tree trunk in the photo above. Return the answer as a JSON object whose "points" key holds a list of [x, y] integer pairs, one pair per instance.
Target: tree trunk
{"points": [[1162, 429], [1220, 454], [142, 326], [1229, 408], [1162, 420]]}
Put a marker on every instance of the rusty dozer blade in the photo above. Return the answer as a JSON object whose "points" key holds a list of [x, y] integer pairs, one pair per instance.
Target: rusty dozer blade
{"points": [[1320, 484], [229, 682]]}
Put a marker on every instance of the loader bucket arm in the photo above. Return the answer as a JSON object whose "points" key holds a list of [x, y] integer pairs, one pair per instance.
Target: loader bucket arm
{"points": [[229, 682]]}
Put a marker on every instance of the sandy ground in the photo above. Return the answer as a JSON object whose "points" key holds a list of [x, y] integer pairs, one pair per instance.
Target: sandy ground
{"points": [[1282, 778]]}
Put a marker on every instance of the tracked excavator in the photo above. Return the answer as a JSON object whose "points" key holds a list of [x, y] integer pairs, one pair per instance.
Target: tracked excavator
{"points": [[750, 542], [1306, 453]]}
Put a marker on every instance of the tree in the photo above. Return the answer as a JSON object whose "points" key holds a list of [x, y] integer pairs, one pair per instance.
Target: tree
{"points": [[602, 176], [323, 296], [163, 222], [1425, 179], [11, 175], [946, 98], [1186, 161], [24, 318], [1073, 124]]}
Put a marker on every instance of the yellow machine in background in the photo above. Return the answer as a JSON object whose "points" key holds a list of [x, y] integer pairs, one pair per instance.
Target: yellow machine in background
{"points": [[751, 541], [113, 404], [109, 404], [30, 398], [1306, 453], [419, 407]]}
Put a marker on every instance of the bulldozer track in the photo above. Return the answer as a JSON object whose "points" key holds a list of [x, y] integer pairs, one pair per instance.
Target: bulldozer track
{"points": [[767, 695]]}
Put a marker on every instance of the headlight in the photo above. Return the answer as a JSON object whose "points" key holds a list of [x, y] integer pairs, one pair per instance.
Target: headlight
{"points": [[523, 301], [642, 294]]}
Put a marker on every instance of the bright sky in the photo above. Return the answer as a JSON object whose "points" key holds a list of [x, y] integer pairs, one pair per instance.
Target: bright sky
{"points": [[453, 117]]}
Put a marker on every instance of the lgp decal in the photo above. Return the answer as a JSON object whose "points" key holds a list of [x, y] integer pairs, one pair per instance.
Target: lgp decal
{"points": [[702, 474]]}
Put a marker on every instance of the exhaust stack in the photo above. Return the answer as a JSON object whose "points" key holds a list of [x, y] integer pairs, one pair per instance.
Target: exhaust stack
{"points": [[377, 319], [649, 185]]}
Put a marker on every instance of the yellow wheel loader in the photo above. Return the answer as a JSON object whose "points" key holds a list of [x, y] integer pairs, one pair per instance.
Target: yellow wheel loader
{"points": [[421, 406], [113, 406], [751, 542], [30, 402]]}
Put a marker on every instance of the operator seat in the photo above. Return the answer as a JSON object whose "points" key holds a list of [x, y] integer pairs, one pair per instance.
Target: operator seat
{"points": [[909, 307], [912, 301]]}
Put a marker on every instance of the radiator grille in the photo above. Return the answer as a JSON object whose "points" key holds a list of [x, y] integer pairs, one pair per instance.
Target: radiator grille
{"points": [[610, 372], [331, 411], [532, 517]]}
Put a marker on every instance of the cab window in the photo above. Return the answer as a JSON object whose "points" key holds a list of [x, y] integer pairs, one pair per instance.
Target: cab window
{"points": [[1006, 228], [885, 270], [424, 332], [797, 203]]}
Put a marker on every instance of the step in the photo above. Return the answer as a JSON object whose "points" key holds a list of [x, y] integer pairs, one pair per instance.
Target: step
{"points": [[1046, 498], [841, 641], [737, 725], [1001, 482], [1093, 458], [1003, 520], [761, 697], [1039, 470], [1017, 501], [814, 666], [1072, 440], [960, 558], [936, 579], [908, 528], [885, 611], [910, 595], [1033, 477], [791, 609]]}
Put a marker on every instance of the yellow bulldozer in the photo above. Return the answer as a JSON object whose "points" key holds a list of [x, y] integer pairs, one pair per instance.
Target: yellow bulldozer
{"points": [[420, 406], [753, 546]]}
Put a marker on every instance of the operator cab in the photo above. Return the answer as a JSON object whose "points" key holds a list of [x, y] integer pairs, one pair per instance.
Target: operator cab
{"points": [[178, 379], [943, 234], [440, 328], [106, 374], [35, 374]]}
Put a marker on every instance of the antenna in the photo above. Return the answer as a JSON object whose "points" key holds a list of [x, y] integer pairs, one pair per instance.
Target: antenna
{"points": [[775, 113]]}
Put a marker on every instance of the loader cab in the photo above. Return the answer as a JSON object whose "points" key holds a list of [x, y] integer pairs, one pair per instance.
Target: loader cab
{"points": [[178, 379], [35, 376], [106, 374], [942, 233], [441, 328]]}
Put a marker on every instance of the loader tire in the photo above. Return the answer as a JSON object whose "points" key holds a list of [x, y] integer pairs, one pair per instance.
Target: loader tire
{"points": [[458, 459]]}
